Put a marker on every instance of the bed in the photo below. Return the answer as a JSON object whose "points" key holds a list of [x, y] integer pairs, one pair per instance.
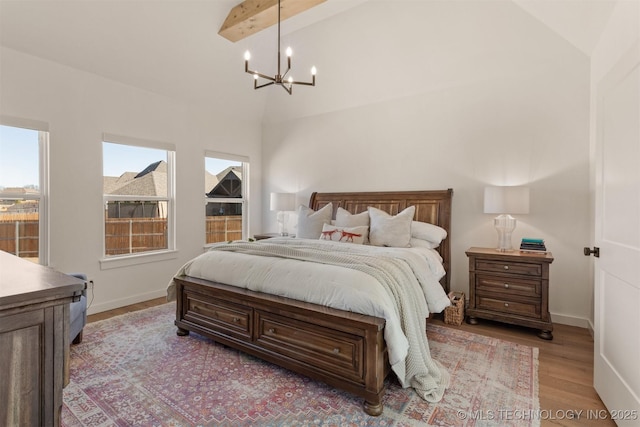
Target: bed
{"points": [[342, 348]]}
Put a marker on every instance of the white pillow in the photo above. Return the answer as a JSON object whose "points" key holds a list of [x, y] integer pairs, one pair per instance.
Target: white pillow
{"points": [[345, 234], [344, 218], [310, 222], [419, 243], [429, 232], [387, 230]]}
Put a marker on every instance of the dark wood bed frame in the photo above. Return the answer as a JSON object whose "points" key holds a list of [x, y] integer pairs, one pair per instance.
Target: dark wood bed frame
{"points": [[343, 349]]}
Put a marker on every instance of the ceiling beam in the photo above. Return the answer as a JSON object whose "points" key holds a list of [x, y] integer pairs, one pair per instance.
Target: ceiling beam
{"points": [[252, 16]]}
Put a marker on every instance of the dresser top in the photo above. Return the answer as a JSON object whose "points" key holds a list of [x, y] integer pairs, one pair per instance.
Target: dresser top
{"points": [[25, 281], [515, 254]]}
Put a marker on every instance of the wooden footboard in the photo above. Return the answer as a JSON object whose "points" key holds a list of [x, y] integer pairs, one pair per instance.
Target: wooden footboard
{"points": [[343, 349]]}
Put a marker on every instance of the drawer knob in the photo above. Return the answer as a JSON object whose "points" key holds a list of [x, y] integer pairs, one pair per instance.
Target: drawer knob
{"points": [[336, 350], [236, 319], [506, 304], [506, 286], [272, 330], [506, 267]]}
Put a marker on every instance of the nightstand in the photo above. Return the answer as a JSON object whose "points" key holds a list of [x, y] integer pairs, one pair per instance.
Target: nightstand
{"points": [[510, 287]]}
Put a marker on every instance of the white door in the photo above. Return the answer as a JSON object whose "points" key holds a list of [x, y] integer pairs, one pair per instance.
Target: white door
{"points": [[617, 221]]}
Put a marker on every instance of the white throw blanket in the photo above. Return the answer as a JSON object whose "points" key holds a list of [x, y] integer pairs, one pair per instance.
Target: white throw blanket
{"points": [[405, 276]]}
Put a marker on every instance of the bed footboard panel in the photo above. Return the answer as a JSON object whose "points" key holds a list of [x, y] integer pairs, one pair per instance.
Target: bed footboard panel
{"points": [[343, 349]]}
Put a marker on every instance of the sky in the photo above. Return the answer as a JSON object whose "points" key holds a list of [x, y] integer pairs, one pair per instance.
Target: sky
{"points": [[19, 158], [118, 158]]}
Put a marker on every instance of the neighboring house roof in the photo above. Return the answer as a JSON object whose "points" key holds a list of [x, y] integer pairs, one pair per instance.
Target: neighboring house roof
{"points": [[210, 181], [111, 183], [19, 190], [24, 206], [152, 181], [150, 184], [227, 183], [159, 166]]}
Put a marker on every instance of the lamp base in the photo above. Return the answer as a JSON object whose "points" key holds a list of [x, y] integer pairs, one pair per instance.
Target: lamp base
{"points": [[282, 218], [505, 224]]}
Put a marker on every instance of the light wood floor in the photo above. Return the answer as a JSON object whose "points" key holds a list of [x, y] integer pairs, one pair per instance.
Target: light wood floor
{"points": [[565, 368]]}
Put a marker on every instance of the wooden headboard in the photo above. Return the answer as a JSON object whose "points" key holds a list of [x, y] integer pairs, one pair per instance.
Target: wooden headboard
{"points": [[431, 206]]}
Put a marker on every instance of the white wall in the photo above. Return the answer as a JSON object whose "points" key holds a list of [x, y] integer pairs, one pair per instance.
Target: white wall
{"points": [[621, 34], [410, 95], [435, 95], [79, 107]]}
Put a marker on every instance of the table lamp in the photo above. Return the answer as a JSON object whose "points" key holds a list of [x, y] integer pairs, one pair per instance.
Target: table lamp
{"points": [[283, 202], [506, 201]]}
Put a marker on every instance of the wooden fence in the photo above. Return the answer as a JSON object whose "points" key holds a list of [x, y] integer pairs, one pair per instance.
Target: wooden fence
{"points": [[224, 228], [20, 237], [133, 235], [19, 233]]}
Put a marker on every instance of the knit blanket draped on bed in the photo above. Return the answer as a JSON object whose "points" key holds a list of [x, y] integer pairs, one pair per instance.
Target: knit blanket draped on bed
{"points": [[401, 281]]}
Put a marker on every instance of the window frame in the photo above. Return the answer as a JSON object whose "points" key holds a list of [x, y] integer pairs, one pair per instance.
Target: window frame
{"points": [[243, 201], [170, 252], [43, 181]]}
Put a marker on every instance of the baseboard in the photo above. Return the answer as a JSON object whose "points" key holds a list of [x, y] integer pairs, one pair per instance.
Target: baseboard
{"points": [[122, 302], [591, 328], [580, 322]]}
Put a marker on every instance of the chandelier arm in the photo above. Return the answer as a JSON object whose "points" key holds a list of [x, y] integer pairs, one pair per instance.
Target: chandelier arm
{"points": [[256, 86], [288, 89], [263, 76], [313, 83]]}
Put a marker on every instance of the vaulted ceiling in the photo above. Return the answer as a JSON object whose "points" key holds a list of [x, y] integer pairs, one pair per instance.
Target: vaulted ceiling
{"points": [[173, 47]]}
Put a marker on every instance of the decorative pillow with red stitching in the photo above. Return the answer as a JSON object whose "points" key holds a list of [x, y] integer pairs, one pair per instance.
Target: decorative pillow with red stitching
{"points": [[344, 218], [355, 235]]}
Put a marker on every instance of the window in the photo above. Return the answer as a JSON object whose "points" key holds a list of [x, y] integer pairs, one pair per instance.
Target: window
{"points": [[138, 196], [23, 189], [226, 178]]}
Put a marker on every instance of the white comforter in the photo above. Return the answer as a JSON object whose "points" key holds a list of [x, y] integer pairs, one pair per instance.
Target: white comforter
{"points": [[345, 287]]}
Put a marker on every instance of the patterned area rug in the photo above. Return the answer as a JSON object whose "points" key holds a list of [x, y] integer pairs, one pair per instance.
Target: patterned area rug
{"points": [[134, 370]]}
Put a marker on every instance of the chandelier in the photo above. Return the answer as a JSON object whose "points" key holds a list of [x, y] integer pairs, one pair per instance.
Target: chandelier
{"points": [[279, 79]]}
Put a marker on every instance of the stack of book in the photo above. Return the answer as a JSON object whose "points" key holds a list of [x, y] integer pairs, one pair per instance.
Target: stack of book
{"points": [[532, 245]]}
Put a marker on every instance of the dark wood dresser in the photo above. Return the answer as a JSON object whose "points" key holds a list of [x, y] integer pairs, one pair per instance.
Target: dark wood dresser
{"points": [[510, 287], [34, 341]]}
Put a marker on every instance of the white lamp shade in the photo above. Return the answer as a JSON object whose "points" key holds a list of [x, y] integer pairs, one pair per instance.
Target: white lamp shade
{"points": [[506, 200], [283, 201]]}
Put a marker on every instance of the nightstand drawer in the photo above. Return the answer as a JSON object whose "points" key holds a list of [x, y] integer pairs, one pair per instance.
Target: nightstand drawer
{"points": [[521, 268], [508, 285], [520, 308]]}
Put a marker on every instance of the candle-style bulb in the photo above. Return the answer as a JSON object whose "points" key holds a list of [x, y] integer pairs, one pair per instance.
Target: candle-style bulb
{"points": [[313, 71], [290, 79], [255, 76], [247, 56], [289, 51]]}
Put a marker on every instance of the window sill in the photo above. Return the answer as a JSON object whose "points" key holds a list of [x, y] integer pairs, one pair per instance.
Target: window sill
{"points": [[136, 259]]}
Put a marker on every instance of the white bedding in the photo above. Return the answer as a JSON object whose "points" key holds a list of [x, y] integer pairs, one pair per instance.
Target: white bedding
{"points": [[336, 286]]}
